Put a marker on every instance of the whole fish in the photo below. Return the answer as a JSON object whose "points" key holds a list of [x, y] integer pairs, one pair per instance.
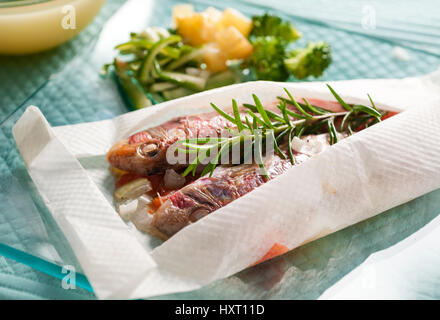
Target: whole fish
{"points": [[145, 152], [207, 194]]}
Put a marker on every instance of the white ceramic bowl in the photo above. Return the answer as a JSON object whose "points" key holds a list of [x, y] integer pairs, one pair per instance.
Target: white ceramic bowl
{"points": [[29, 26]]}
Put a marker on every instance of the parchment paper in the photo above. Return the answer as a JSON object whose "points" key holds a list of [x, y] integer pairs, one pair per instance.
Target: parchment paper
{"points": [[379, 168]]}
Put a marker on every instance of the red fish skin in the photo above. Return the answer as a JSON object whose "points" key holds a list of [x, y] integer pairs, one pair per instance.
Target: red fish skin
{"points": [[228, 183], [208, 194], [145, 152], [134, 154]]}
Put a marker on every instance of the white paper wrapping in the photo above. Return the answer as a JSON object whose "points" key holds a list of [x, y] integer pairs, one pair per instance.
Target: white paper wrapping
{"points": [[361, 176]]}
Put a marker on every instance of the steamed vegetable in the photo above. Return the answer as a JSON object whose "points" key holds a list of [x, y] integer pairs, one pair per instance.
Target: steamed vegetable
{"points": [[211, 49], [232, 17], [270, 25], [223, 34], [309, 61], [267, 61], [134, 94], [153, 68], [146, 69], [198, 28], [271, 58]]}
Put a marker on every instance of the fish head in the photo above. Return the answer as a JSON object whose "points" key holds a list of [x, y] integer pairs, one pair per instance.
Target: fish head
{"points": [[142, 153]]}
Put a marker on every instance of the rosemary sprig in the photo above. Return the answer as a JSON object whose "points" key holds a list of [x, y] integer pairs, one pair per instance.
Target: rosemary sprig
{"points": [[264, 125]]}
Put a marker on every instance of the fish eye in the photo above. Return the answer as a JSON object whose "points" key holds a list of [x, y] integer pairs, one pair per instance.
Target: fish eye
{"points": [[148, 149]]}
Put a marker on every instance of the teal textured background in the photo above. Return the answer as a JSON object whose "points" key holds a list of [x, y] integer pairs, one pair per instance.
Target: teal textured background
{"points": [[64, 83]]}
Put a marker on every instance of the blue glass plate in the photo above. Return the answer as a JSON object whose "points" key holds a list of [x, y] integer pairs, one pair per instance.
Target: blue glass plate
{"points": [[77, 93]]}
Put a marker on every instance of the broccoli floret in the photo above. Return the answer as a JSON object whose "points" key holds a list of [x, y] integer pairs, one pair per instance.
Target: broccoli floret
{"points": [[270, 60], [309, 61], [267, 59], [270, 25]]}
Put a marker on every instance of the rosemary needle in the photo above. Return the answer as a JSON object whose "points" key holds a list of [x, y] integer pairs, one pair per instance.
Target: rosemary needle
{"points": [[269, 125]]}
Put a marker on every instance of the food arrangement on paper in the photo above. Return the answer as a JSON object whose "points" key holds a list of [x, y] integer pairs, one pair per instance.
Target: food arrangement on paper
{"points": [[178, 193], [323, 158], [210, 49]]}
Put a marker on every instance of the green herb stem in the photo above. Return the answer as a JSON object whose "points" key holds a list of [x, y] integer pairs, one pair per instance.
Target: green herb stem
{"points": [[268, 125]]}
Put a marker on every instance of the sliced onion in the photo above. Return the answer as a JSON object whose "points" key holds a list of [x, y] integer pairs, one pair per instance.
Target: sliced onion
{"points": [[142, 220], [311, 144], [193, 71], [173, 180], [150, 34], [129, 209], [132, 190], [126, 209], [297, 144], [144, 201], [162, 32], [205, 74]]}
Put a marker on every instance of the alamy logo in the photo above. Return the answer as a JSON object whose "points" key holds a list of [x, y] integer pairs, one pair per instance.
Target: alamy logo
{"points": [[69, 18], [368, 17], [69, 281]]}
